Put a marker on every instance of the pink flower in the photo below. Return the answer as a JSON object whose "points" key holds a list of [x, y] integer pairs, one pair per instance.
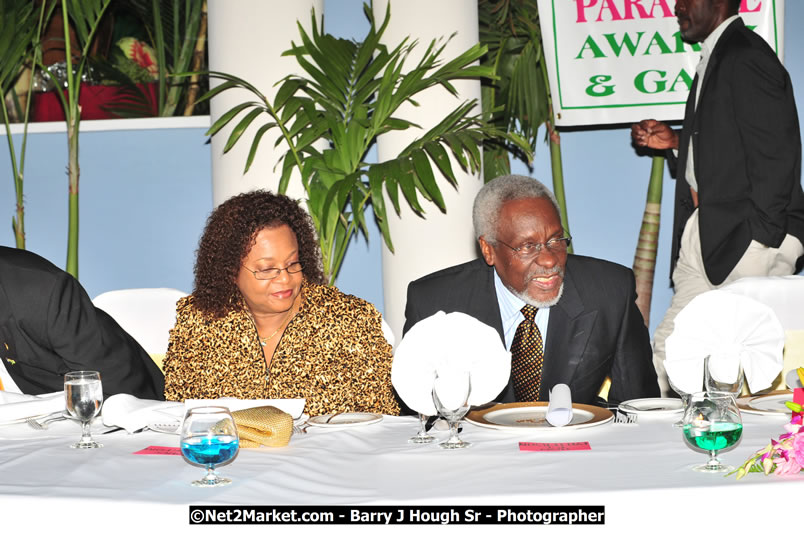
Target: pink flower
{"points": [[798, 447], [787, 467]]}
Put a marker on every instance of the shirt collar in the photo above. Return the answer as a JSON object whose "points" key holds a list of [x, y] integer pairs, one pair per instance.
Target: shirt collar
{"points": [[710, 42], [509, 303]]}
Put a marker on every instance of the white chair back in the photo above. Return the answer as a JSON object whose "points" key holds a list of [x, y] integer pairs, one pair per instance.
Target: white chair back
{"points": [[147, 314], [388, 333], [785, 296]]}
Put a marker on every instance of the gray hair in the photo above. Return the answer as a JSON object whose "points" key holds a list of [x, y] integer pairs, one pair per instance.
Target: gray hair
{"points": [[492, 196]]}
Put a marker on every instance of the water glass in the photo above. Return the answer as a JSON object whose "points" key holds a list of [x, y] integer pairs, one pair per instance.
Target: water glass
{"points": [[83, 394], [723, 374], [209, 439], [422, 436], [451, 397]]}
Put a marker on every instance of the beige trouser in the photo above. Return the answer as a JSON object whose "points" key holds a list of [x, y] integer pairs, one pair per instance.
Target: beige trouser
{"points": [[689, 279]]}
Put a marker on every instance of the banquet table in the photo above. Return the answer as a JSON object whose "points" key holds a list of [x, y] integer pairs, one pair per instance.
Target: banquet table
{"points": [[639, 472]]}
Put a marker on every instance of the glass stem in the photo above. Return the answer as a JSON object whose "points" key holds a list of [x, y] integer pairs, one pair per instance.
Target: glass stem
{"points": [[422, 423], [85, 432], [453, 430], [713, 461]]}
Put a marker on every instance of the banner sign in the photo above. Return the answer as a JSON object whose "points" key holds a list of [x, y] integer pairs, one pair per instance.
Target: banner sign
{"points": [[621, 61]]}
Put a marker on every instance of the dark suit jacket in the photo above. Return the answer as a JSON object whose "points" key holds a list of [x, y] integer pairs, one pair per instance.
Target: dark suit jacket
{"points": [[747, 147], [48, 327], [595, 330]]}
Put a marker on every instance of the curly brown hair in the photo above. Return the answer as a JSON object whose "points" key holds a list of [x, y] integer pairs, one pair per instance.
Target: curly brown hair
{"points": [[228, 237]]}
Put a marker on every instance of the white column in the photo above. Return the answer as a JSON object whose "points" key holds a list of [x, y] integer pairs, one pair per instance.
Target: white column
{"points": [[246, 39], [424, 245]]}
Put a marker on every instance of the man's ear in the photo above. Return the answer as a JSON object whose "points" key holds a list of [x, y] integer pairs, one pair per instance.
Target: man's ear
{"points": [[487, 250]]}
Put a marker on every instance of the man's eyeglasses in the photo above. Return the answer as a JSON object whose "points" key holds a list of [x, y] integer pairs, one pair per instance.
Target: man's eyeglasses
{"points": [[270, 274], [557, 245]]}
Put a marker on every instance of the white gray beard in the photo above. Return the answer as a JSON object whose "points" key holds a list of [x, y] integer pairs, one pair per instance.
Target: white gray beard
{"points": [[540, 303]]}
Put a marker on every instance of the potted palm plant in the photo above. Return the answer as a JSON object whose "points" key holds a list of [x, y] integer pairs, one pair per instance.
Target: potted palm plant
{"points": [[20, 27], [329, 117]]}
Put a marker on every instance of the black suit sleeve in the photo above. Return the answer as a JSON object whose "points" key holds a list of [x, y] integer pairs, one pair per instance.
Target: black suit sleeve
{"points": [[86, 338], [632, 372], [768, 126]]}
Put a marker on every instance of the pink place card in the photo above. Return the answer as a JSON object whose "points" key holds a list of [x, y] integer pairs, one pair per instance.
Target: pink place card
{"points": [[798, 396], [527, 446], [165, 451]]}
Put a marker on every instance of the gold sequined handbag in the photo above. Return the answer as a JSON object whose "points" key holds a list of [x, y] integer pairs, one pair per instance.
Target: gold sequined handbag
{"points": [[263, 426]]}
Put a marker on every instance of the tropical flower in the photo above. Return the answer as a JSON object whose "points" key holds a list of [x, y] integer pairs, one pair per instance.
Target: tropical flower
{"points": [[140, 53], [784, 456]]}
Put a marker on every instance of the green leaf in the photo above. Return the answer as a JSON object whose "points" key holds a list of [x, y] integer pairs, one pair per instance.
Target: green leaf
{"points": [[241, 127], [224, 119], [255, 143], [441, 158], [425, 175]]}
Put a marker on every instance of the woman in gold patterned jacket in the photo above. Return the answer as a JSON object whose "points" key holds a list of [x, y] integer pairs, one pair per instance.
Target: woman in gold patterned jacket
{"points": [[260, 322]]}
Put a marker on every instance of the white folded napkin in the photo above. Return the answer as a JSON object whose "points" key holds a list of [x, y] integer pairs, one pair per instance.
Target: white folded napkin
{"points": [[559, 411], [294, 407], [447, 341], [132, 414], [15, 406], [725, 325]]}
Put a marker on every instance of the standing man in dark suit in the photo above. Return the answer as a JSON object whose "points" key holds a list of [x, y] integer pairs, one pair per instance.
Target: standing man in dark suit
{"points": [[576, 314], [48, 327], [739, 208]]}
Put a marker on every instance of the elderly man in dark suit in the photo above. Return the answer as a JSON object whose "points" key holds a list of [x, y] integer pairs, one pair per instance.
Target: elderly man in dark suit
{"points": [[48, 327], [566, 319], [739, 208]]}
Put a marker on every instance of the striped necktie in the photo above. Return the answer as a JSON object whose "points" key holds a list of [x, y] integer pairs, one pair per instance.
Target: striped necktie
{"points": [[527, 357]]}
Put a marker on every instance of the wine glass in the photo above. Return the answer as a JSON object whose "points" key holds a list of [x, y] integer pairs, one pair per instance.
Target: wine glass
{"points": [[209, 439], [451, 397], [685, 400], [712, 423], [723, 374], [83, 395], [422, 436]]}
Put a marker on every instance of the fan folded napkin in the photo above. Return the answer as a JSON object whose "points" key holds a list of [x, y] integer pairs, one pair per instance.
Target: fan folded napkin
{"points": [[559, 411], [132, 414], [729, 327], [15, 406], [263, 426], [447, 342]]}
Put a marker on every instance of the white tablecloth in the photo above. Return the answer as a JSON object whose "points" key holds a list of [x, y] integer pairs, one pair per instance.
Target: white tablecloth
{"points": [[636, 471]]}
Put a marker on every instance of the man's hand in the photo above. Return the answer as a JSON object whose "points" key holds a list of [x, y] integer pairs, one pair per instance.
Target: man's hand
{"points": [[654, 134]]}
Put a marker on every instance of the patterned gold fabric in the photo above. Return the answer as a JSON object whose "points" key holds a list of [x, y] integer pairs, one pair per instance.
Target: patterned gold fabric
{"points": [[527, 357], [333, 354], [263, 425]]}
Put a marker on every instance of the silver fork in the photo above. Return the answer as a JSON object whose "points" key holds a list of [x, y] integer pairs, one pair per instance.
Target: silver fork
{"points": [[43, 422]]}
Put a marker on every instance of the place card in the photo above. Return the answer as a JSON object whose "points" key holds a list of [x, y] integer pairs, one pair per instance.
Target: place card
{"points": [[527, 446], [164, 451]]}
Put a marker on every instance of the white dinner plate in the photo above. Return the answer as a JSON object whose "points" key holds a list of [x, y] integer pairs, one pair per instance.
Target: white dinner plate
{"points": [[770, 404], [654, 406], [533, 416], [345, 419], [165, 428]]}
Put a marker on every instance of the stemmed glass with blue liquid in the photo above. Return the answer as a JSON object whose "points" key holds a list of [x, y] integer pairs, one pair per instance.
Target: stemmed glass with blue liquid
{"points": [[712, 423], [209, 439]]}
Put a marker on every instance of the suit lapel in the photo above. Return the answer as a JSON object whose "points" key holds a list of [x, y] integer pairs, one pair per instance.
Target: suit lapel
{"points": [[568, 331], [484, 305]]}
